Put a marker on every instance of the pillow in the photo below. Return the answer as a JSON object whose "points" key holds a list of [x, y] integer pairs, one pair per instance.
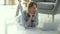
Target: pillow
{"points": [[50, 27]]}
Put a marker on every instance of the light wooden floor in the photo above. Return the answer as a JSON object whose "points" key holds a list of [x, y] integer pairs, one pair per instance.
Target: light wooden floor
{"points": [[7, 13]]}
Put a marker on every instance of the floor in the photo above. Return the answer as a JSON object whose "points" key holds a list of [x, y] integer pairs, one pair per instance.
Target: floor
{"points": [[8, 24]]}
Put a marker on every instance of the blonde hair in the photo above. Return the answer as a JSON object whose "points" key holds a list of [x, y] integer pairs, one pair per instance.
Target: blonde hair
{"points": [[31, 4]]}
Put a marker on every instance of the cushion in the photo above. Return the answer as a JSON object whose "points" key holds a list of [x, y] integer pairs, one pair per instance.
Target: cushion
{"points": [[44, 0], [45, 5], [38, 0], [50, 0]]}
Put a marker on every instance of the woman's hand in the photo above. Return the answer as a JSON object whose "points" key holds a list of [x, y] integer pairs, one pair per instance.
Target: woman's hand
{"points": [[32, 16]]}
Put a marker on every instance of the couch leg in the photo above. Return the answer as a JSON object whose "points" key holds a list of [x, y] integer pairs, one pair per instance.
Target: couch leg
{"points": [[52, 18]]}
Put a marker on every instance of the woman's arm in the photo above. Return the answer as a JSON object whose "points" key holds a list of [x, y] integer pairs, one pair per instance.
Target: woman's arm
{"points": [[28, 21]]}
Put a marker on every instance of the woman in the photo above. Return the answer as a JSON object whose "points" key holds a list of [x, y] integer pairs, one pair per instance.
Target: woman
{"points": [[30, 17]]}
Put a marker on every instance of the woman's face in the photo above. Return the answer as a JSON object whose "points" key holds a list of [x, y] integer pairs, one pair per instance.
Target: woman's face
{"points": [[33, 9]]}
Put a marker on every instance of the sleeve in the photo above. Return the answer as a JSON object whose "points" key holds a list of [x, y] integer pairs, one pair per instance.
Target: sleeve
{"points": [[24, 19], [36, 20]]}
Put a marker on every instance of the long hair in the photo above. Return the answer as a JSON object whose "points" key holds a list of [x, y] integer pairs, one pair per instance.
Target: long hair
{"points": [[31, 4]]}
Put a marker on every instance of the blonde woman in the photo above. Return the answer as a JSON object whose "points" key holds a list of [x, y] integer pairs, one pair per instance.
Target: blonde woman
{"points": [[30, 17]]}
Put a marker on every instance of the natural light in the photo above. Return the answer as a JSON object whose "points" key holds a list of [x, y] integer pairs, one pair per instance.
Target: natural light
{"points": [[8, 21]]}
